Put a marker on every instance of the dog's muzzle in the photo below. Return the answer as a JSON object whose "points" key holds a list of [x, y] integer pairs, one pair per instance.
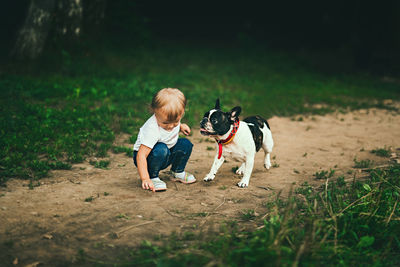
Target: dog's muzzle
{"points": [[205, 127]]}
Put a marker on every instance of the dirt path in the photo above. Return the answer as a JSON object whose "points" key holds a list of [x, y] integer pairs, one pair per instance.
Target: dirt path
{"points": [[51, 223]]}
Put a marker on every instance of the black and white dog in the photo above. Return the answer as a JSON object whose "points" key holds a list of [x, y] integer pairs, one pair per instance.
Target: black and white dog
{"points": [[237, 139]]}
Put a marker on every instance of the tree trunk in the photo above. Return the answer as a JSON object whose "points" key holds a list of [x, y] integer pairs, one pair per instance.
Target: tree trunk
{"points": [[32, 36], [69, 19]]}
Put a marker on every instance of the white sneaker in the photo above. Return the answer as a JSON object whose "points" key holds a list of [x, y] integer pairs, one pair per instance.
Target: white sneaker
{"points": [[184, 177], [158, 184]]}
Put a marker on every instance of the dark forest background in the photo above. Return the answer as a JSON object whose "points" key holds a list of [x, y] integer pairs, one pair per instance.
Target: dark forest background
{"points": [[365, 32]]}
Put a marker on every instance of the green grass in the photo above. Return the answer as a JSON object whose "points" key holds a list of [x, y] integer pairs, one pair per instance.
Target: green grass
{"points": [[70, 106], [340, 223]]}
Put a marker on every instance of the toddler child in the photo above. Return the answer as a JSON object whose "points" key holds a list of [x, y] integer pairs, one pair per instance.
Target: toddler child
{"points": [[158, 144]]}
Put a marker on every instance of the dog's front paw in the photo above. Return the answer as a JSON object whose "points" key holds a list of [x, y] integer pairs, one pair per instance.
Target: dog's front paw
{"points": [[243, 183], [209, 177], [240, 170], [267, 165], [267, 162]]}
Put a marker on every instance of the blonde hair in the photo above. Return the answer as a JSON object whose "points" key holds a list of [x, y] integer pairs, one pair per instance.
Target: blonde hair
{"points": [[170, 101]]}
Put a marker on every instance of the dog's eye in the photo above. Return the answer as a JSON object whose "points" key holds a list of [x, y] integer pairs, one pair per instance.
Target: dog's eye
{"points": [[213, 120]]}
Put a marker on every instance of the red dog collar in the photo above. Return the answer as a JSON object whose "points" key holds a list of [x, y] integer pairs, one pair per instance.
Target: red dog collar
{"points": [[229, 139]]}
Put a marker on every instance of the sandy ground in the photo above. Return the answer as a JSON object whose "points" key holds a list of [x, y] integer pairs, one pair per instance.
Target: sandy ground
{"points": [[48, 225]]}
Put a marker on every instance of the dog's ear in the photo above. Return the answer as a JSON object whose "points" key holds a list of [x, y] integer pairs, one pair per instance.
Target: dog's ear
{"points": [[217, 106], [235, 112]]}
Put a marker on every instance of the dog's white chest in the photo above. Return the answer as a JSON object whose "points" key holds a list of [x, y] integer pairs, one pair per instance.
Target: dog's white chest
{"points": [[241, 147], [235, 152]]}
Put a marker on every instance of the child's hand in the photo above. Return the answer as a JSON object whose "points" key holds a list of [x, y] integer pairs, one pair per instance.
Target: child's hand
{"points": [[148, 185], [185, 129]]}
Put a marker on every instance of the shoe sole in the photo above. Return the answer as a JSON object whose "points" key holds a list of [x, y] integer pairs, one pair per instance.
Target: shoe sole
{"points": [[160, 189], [183, 182]]}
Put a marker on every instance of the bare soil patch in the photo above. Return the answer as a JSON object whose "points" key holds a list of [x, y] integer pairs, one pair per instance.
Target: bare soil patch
{"points": [[104, 211]]}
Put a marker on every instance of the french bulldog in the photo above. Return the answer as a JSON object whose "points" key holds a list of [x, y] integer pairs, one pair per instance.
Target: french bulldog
{"points": [[240, 140]]}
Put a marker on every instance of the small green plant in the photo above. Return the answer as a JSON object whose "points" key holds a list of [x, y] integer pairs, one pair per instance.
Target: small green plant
{"points": [[102, 164], [210, 148], [381, 152], [222, 187], [247, 215], [324, 174], [102, 150], [32, 184], [305, 189], [362, 164], [123, 216], [89, 199], [275, 165]]}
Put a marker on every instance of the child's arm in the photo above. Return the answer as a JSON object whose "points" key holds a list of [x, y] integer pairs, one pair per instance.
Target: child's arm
{"points": [[185, 129], [141, 160]]}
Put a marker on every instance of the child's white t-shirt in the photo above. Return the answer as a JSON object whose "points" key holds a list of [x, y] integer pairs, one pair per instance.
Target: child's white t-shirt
{"points": [[151, 133]]}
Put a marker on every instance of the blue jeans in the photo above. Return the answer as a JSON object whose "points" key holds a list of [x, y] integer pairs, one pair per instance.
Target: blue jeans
{"points": [[161, 157]]}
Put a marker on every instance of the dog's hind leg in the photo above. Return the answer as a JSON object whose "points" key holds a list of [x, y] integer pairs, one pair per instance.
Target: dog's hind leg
{"points": [[247, 171], [268, 144]]}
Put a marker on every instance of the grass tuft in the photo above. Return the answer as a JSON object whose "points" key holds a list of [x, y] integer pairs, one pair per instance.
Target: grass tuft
{"points": [[381, 152], [362, 164]]}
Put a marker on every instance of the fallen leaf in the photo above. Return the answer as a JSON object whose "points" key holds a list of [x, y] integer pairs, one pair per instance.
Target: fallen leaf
{"points": [[48, 236], [15, 262]]}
